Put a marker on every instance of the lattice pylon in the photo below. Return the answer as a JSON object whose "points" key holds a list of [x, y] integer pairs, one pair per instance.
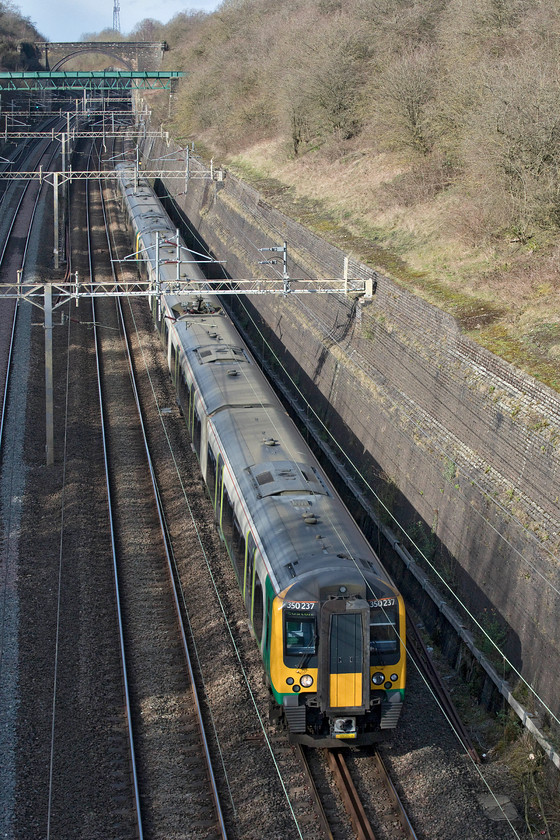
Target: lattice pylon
{"points": [[116, 16]]}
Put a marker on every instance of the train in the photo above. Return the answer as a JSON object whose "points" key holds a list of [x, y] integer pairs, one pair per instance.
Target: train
{"points": [[327, 618]]}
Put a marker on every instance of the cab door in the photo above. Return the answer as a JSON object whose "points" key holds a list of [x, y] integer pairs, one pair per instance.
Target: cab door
{"points": [[343, 679], [345, 665]]}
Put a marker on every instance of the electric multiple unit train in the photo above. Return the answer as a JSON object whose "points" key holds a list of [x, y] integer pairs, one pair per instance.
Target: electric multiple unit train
{"points": [[328, 620]]}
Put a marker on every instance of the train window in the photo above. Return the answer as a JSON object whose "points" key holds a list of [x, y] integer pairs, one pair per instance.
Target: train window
{"points": [[196, 433], [249, 564], [383, 636], [249, 574], [238, 549], [300, 636], [173, 363], [191, 400], [227, 515], [258, 609], [183, 395], [300, 640], [211, 474]]}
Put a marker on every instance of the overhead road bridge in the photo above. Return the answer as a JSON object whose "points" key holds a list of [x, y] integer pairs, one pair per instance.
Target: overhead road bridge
{"points": [[133, 55], [100, 80]]}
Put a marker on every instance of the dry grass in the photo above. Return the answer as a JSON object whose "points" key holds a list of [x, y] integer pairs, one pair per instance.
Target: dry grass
{"points": [[535, 779], [409, 224]]}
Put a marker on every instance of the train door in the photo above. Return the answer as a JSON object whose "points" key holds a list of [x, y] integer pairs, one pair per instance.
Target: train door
{"points": [[226, 510], [343, 680], [190, 416], [213, 469], [173, 362], [249, 574]]}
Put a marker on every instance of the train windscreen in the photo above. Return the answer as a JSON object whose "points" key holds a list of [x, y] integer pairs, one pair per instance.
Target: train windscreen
{"points": [[383, 635], [300, 640]]}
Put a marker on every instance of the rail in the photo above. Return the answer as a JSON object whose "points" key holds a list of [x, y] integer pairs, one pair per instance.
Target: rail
{"points": [[118, 600], [29, 226], [220, 822], [423, 658], [349, 794]]}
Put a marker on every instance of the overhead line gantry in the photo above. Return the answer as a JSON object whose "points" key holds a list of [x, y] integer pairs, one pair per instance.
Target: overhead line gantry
{"points": [[92, 80], [41, 294]]}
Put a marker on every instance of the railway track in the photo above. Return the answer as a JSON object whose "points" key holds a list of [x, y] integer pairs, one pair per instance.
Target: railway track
{"points": [[72, 762], [380, 813], [391, 817], [85, 742], [229, 716], [146, 591], [19, 206], [20, 225], [424, 661], [377, 814]]}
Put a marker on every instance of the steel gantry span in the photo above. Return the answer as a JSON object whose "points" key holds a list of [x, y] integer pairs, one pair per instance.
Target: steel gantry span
{"points": [[128, 133], [95, 174], [93, 80], [74, 290]]}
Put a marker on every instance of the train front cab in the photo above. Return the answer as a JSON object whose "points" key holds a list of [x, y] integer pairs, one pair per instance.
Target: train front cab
{"points": [[338, 668]]}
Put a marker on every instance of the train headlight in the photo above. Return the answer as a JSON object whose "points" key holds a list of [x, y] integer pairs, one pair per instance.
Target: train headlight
{"points": [[307, 681], [394, 677], [378, 678], [290, 680]]}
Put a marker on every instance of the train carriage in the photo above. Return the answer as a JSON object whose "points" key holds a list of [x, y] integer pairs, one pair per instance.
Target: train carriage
{"points": [[328, 620]]}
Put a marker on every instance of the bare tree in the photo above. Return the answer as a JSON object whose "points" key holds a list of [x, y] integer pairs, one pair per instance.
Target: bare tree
{"points": [[518, 131], [404, 92]]}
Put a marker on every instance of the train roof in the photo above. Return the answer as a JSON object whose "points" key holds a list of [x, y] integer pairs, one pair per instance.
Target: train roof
{"points": [[301, 521], [149, 218], [225, 372], [312, 545]]}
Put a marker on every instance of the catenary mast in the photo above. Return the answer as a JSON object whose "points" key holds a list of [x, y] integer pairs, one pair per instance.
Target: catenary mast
{"points": [[116, 16]]}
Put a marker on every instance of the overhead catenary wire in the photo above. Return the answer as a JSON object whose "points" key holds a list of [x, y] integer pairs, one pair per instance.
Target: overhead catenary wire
{"points": [[59, 589], [250, 245], [366, 483], [332, 338], [234, 644], [365, 366], [219, 599]]}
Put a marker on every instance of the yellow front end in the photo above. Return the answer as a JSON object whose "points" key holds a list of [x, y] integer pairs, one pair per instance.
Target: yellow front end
{"points": [[283, 678], [346, 690]]}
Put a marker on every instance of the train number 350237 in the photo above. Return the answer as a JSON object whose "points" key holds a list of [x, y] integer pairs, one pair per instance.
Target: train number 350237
{"points": [[299, 605]]}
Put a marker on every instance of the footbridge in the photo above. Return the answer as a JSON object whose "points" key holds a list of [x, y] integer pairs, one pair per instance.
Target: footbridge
{"points": [[133, 55]]}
